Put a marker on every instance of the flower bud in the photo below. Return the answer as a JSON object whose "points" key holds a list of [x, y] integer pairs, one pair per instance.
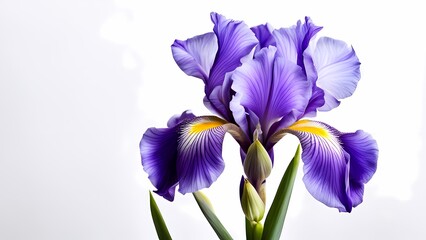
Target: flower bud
{"points": [[252, 204], [258, 164]]}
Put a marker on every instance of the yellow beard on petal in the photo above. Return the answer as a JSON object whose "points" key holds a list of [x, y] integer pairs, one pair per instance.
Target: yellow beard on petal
{"points": [[204, 125], [310, 127]]}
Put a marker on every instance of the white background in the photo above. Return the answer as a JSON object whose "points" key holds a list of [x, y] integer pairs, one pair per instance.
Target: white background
{"points": [[81, 81]]}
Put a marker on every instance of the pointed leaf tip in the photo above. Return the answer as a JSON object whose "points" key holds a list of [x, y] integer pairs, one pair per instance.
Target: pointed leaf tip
{"points": [[157, 218], [274, 221], [206, 208]]}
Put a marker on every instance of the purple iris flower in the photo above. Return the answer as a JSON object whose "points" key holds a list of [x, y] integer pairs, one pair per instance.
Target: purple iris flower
{"points": [[267, 81]]}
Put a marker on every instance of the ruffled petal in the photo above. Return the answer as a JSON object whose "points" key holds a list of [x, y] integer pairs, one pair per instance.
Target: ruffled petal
{"points": [[195, 56], [336, 165], [235, 40], [158, 149], [178, 118], [316, 101], [337, 68], [264, 35], [317, 98], [241, 117], [292, 42], [213, 55], [216, 103], [271, 87], [326, 165], [219, 98], [188, 153], [200, 161], [364, 152]]}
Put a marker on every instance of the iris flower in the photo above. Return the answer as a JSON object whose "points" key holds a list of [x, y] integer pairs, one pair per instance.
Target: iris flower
{"points": [[262, 83]]}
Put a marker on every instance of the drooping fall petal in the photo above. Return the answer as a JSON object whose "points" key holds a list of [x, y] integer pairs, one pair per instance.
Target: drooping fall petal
{"points": [[187, 153], [159, 153], [364, 152], [336, 165], [200, 161]]}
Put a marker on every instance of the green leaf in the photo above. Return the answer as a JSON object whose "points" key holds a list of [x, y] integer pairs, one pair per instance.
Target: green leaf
{"points": [[207, 210], [160, 225], [274, 221]]}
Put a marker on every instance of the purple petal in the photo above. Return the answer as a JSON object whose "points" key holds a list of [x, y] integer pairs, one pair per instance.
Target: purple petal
{"points": [[188, 153], [158, 149], [325, 166], [159, 153], [195, 56], [264, 35], [270, 87], [336, 165], [337, 68], [330, 102], [317, 99], [212, 55], [246, 119], [219, 98], [363, 163], [235, 41], [292, 42], [200, 161], [215, 103], [176, 119]]}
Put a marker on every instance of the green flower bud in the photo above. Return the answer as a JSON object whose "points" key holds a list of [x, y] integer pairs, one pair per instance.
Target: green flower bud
{"points": [[252, 204], [258, 164]]}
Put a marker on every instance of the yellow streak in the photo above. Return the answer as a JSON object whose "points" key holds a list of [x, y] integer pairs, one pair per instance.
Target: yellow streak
{"points": [[203, 126], [307, 126]]}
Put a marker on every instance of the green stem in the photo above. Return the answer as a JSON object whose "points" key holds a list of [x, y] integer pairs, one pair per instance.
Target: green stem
{"points": [[257, 231], [254, 230], [249, 230]]}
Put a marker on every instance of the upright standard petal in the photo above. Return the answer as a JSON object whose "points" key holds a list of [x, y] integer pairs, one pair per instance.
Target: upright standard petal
{"points": [[159, 153], [336, 165], [236, 41], [195, 56], [212, 55], [269, 87], [337, 69], [264, 35], [292, 42]]}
